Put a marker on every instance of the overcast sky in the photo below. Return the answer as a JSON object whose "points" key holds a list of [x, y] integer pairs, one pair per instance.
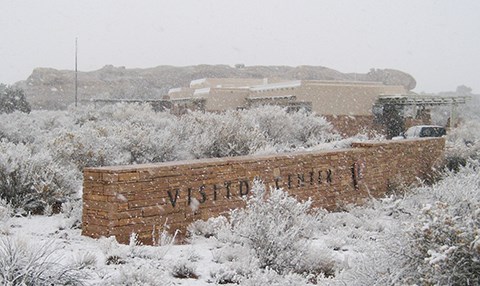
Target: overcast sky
{"points": [[438, 42]]}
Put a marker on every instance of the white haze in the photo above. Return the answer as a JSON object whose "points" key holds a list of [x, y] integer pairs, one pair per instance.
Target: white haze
{"points": [[435, 41]]}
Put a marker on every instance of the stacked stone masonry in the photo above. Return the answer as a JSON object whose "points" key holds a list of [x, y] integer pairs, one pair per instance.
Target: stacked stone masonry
{"points": [[145, 199]]}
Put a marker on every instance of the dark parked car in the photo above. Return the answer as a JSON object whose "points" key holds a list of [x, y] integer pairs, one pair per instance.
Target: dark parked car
{"points": [[425, 131]]}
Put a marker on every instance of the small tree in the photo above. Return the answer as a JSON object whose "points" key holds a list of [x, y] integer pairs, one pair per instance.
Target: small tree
{"points": [[277, 229], [12, 99]]}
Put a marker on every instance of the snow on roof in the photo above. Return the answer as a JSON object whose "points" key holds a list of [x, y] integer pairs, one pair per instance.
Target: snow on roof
{"points": [[278, 85], [172, 90], [271, 97], [201, 91], [184, 99], [393, 96], [197, 82]]}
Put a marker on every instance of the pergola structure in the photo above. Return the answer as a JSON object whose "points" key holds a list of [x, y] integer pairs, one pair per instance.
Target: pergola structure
{"points": [[389, 107], [421, 100]]}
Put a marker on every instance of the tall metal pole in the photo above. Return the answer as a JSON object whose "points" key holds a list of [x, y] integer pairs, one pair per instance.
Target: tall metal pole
{"points": [[76, 72], [453, 116]]}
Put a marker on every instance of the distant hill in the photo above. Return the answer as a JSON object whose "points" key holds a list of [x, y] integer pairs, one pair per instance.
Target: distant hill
{"points": [[48, 88]]}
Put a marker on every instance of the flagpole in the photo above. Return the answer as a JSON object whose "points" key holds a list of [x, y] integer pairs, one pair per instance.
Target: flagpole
{"points": [[76, 72]]}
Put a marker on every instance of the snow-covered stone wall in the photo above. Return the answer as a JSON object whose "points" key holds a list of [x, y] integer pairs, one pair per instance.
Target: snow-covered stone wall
{"points": [[148, 199]]}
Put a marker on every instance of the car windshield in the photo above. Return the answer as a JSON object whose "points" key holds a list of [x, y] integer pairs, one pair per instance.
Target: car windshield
{"points": [[432, 132]]}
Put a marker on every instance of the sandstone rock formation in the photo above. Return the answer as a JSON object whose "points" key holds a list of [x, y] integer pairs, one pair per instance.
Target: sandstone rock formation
{"points": [[48, 88]]}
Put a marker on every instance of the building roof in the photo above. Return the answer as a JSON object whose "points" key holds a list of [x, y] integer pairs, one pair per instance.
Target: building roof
{"points": [[201, 91], [277, 85], [197, 82], [401, 99]]}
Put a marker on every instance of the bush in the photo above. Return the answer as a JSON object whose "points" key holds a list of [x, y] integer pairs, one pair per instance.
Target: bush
{"points": [[208, 228], [12, 99], [270, 277], [447, 246], [32, 181], [207, 135], [444, 246], [115, 135], [5, 210], [183, 269], [275, 226], [5, 214], [44, 142], [296, 129], [277, 230], [463, 144], [145, 274], [21, 264]]}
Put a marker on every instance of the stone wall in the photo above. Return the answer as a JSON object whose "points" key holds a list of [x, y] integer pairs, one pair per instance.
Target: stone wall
{"points": [[144, 198], [331, 97], [348, 126]]}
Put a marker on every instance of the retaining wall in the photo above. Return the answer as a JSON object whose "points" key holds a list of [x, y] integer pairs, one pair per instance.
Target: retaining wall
{"points": [[144, 198]]}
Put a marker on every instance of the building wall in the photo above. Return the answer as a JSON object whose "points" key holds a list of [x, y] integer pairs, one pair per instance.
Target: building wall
{"points": [[181, 92], [221, 99], [334, 98], [345, 99], [143, 198], [225, 82], [348, 126]]}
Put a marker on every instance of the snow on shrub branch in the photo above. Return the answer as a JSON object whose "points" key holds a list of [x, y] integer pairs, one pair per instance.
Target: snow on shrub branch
{"points": [[32, 180], [273, 232], [125, 134], [445, 234]]}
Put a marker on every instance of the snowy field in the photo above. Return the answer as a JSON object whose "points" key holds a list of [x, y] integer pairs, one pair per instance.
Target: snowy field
{"points": [[424, 235], [367, 245]]}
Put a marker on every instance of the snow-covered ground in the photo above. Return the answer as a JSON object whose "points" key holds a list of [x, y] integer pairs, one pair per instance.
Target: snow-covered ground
{"points": [[157, 265], [359, 246], [428, 235]]}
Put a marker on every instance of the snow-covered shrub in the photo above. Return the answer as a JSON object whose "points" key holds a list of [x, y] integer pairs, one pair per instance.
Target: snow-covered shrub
{"points": [[295, 129], [208, 228], [426, 236], [183, 269], [237, 262], [234, 253], [274, 123], [252, 131], [5, 213], [207, 135], [310, 129], [225, 275], [85, 260], [5, 210], [88, 146], [23, 264], [146, 135], [145, 274], [278, 230], [270, 277], [463, 143], [44, 142], [13, 99], [19, 127], [144, 143], [116, 136], [444, 246], [72, 211], [34, 128], [135, 249], [32, 180], [113, 251]]}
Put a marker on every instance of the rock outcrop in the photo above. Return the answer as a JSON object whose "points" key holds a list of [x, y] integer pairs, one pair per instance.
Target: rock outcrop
{"points": [[49, 88]]}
